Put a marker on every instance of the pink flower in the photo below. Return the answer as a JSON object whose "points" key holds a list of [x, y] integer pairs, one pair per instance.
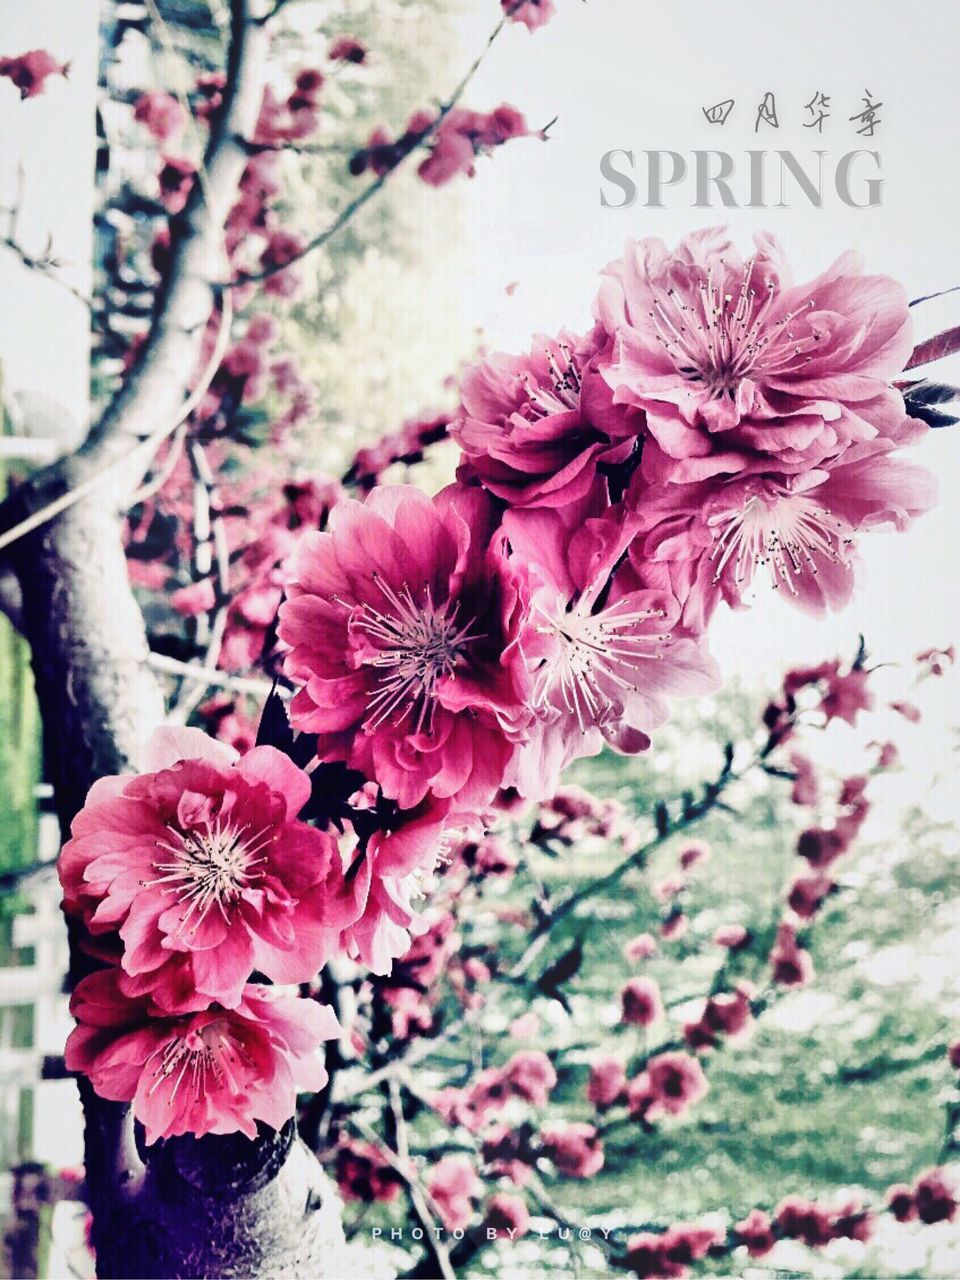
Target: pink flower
{"points": [[847, 695], [507, 1215], [807, 893], [176, 181], [602, 658], [667, 1255], [693, 853], [953, 1055], [674, 926], [346, 49], [532, 13], [402, 624], [507, 1154], [533, 428], [671, 887], [202, 867], [283, 248], [756, 1232], [530, 1075], [30, 71], [453, 1186], [642, 947], [642, 1006], [363, 1174], [902, 1203], [217, 1071], [161, 114], [792, 965], [607, 1084], [733, 936], [935, 1197], [463, 135], [575, 1149], [714, 535], [725, 1014], [671, 1084], [935, 662], [738, 370]]}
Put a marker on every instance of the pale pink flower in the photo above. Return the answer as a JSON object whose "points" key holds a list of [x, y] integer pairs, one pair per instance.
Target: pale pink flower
{"points": [[802, 531], [534, 427], [741, 371], [453, 1186], [642, 947], [402, 624], [507, 1215], [161, 114], [216, 1071], [602, 657], [201, 866], [608, 1082]]}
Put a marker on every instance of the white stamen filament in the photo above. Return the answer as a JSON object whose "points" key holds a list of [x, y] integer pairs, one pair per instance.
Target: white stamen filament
{"points": [[209, 1052], [787, 536], [726, 338], [419, 643], [594, 651], [209, 867]]}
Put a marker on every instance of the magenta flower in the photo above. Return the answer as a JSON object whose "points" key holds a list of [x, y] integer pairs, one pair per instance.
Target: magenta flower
{"points": [[453, 1186], [803, 531], [602, 657], [161, 114], [533, 428], [739, 370], [217, 1071], [202, 867], [402, 625], [671, 1084], [641, 1003]]}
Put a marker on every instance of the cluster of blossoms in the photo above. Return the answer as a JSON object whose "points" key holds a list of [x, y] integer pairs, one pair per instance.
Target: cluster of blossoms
{"points": [[190, 879], [451, 655], [667, 1255], [453, 140]]}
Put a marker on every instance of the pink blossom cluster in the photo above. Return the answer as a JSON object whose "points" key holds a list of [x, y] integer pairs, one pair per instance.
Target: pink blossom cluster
{"points": [[190, 879], [453, 140]]}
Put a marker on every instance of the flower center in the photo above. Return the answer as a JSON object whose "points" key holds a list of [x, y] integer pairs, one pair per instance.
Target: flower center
{"points": [[717, 339], [417, 645], [210, 867], [204, 1058], [787, 536], [561, 393], [597, 655]]}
